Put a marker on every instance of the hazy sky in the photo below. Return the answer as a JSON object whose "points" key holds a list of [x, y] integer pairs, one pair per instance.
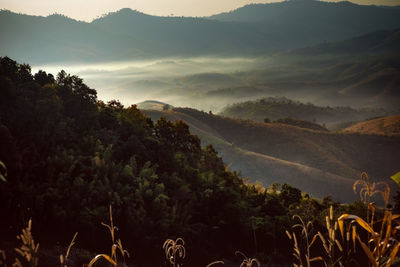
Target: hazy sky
{"points": [[90, 9]]}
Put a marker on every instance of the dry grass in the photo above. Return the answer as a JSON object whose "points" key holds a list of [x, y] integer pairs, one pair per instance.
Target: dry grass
{"points": [[3, 172], [174, 251], [214, 263], [368, 189], [116, 246], [302, 253], [28, 249], [247, 262], [64, 258], [383, 126], [381, 246]]}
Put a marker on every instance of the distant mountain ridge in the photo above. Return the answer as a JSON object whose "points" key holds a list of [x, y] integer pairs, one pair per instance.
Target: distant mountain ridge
{"points": [[382, 41], [128, 34], [315, 21]]}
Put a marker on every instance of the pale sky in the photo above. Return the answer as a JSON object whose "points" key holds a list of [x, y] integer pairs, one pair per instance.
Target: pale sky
{"points": [[88, 10]]}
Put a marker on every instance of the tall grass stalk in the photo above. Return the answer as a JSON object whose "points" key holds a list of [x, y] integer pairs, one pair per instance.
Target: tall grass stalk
{"points": [[116, 246], [174, 251], [28, 249], [64, 258], [247, 262], [306, 235]]}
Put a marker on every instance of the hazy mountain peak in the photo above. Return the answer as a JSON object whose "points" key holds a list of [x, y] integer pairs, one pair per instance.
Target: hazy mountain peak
{"points": [[124, 13], [59, 17], [129, 11]]}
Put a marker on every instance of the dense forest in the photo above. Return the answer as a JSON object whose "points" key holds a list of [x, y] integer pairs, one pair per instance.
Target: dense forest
{"points": [[69, 156]]}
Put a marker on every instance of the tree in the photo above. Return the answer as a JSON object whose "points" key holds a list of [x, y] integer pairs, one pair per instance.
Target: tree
{"points": [[42, 78], [290, 195]]}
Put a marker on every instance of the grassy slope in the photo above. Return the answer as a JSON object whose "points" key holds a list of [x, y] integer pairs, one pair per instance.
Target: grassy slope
{"points": [[383, 126], [317, 162], [151, 105]]}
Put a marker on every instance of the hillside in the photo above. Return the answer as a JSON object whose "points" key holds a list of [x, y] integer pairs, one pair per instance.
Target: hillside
{"points": [[128, 34], [153, 105], [280, 108], [382, 126], [382, 41], [308, 159]]}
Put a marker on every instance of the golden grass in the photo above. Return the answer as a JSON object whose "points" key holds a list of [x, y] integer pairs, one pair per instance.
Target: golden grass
{"points": [[64, 258], [116, 246], [303, 256], [389, 125], [214, 263], [3, 172], [247, 262], [381, 246], [368, 189], [28, 249], [174, 251]]}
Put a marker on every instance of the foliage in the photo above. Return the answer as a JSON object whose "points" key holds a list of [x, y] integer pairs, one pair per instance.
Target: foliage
{"points": [[379, 242], [69, 157]]}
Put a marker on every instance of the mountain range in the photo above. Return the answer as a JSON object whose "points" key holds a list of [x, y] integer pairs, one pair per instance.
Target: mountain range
{"points": [[248, 31]]}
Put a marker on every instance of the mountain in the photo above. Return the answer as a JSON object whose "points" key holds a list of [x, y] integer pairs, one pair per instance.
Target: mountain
{"points": [[121, 35], [389, 125], [306, 22], [38, 39], [183, 35], [248, 31], [317, 162], [382, 41]]}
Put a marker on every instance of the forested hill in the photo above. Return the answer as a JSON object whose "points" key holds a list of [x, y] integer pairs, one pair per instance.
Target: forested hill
{"points": [[70, 155], [279, 108]]}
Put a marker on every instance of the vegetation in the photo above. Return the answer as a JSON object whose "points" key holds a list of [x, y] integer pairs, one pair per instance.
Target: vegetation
{"points": [[69, 156], [378, 238], [320, 163], [385, 126], [301, 124], [283, 109], [339, 245]]}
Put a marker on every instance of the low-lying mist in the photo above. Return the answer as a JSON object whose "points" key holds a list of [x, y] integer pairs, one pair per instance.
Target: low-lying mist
{"points": [[212, 83], [164, 79]]}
